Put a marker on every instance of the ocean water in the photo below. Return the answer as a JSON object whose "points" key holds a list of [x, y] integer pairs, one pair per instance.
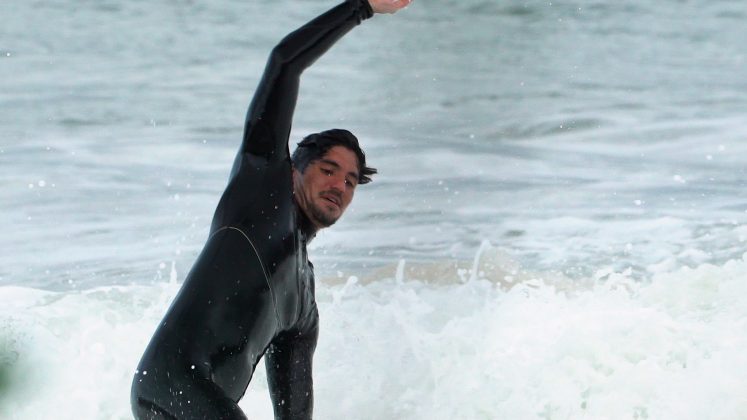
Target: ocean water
{"points": [[558, 229]]}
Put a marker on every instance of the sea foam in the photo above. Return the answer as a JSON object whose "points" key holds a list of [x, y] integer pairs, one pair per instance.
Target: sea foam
{"points": [[666, 347]]}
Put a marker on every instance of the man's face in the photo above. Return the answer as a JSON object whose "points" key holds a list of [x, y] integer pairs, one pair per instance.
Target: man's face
{"points": [[326, 187]]}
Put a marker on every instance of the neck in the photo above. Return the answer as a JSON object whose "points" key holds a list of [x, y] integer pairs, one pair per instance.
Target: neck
{"points": [[305, 224]]}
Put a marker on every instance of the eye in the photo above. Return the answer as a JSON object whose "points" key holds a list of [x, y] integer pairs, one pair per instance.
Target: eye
{"points": [[326, 172]]}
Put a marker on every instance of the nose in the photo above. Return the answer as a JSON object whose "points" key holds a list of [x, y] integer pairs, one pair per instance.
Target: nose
{"points": [[339, 184]]}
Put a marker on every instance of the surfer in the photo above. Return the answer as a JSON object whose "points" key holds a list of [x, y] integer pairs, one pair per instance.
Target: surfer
{"points": [[251, 291]]}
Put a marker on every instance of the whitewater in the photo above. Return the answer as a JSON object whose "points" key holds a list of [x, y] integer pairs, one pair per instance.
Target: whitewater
{"points": [[558, 229]]}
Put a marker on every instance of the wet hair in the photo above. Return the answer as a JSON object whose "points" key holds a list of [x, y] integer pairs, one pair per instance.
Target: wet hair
{"points": [[315, 146]]}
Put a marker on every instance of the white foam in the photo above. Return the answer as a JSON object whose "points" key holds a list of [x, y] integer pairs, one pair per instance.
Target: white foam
{"points": [[670, 347]]}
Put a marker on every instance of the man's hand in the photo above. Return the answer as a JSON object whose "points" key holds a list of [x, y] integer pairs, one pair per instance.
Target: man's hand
{"points": [[388, 6]]}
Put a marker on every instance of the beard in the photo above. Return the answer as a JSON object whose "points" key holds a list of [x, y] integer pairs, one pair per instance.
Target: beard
{"points": [[321, 216]]}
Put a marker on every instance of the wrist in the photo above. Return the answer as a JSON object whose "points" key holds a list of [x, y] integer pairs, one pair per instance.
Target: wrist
{"points": [[364, 8]]}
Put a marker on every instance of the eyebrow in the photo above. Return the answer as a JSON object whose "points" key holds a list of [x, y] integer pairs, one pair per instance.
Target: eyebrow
{"points": [[337, 165]]}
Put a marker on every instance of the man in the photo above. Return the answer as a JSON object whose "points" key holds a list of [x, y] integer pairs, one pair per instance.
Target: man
{"points": [[251, 290]]}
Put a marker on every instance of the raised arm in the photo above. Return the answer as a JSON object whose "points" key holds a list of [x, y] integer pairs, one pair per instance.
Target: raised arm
{"points": [[268, 120]]}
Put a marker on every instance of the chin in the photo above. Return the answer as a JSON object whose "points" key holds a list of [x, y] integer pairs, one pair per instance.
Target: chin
{"points": [[324, 217], [330, 219]]}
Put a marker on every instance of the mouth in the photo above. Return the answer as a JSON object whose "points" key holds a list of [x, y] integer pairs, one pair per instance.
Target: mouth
{"points": [[333, 200]]}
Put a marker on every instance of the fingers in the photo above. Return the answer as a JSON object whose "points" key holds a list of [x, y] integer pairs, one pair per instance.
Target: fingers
{"points": [[388, 6]]}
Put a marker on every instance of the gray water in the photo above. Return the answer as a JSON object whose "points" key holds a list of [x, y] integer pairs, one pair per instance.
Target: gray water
{"points": [[557, 230], [573, 135]]}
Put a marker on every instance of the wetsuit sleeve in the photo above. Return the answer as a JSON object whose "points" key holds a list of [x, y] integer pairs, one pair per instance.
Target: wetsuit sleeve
{"points": [[288, 364], [268, 120]]}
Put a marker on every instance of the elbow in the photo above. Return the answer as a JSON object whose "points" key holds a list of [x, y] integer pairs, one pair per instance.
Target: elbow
{"points": [[280, 61], [290, 52], [280, 56]]}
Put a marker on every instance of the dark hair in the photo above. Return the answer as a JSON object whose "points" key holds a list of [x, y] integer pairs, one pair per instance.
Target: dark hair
{"points": [[315, 146]]}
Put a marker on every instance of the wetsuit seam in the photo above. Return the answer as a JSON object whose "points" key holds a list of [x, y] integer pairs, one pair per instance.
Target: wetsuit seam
{"points": [[261, 264]]}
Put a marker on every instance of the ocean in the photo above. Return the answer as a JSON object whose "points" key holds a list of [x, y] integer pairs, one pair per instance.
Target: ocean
{"points": [[558, 229]]}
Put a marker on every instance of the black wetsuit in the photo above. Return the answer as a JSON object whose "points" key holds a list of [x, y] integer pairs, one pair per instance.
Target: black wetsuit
{"points": [[251, 290]]}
